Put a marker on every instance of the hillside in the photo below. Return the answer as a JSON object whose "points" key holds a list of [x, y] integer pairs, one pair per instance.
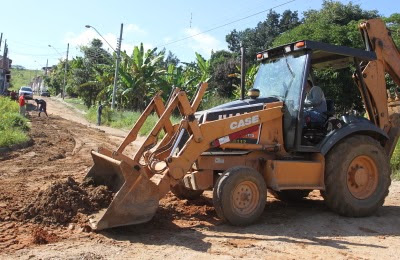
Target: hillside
{"points": [[22, 77]]}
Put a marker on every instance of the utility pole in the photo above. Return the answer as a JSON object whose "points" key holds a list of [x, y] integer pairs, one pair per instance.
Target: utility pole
{"points": [[4, 54], [1, 39], [2, 70], [45, 75], [3, 88], [65, 72], [47, 65], [116, 67], [242, 72]]}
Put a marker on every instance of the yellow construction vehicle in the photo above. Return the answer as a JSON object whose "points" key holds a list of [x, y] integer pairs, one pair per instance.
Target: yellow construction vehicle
{"points": [[242, 148]]}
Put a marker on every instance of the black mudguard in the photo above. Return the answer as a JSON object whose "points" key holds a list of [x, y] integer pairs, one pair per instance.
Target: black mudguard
{"points": [[364, 127]]}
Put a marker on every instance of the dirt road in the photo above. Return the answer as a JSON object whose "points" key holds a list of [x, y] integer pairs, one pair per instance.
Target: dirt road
{"points": [[181, 229]]}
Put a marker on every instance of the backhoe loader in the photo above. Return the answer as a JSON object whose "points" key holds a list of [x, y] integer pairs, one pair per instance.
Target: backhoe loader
{"points": [[244, 148]]}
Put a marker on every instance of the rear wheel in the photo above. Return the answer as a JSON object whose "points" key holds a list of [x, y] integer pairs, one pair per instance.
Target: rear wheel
{"points": [[184, 193], [290, 195], [239, 195], [357, 176]]}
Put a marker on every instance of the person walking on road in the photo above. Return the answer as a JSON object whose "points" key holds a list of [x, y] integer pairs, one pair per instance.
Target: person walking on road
{"points": [[42, 106], [21, 102], [99, 111]]}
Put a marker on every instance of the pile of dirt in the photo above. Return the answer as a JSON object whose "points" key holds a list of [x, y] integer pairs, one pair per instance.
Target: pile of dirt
{"points": [[196, 210], [63, 200], [41, 237]]}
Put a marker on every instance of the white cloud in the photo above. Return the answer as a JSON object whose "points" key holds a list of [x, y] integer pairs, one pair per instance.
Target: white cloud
{"points": [[148, 46], [167, 39], [133, 28], [128, 47], [88, 35], [203, 43]]}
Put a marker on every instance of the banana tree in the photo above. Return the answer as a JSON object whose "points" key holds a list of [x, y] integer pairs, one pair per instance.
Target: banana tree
{"points": [[141, 77], [249, 79], [204, 68], [195, 72]]}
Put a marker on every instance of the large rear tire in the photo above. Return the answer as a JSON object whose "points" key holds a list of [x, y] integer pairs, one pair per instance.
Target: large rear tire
{"points": [[357, 176], [290, 195], [184, 193], [239, 195]]}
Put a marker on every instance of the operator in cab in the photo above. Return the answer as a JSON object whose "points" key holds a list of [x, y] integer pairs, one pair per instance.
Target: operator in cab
{"points": [[315, 104]]}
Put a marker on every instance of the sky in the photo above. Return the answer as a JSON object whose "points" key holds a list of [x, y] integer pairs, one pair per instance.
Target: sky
{"points": [[31, 26]]}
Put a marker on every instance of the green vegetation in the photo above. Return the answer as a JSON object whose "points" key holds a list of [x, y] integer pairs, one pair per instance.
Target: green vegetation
{"points": [[214, 101], [77, 102], [143, 73], [395, 162], [22, 77], [124, 119], [13, 126]]}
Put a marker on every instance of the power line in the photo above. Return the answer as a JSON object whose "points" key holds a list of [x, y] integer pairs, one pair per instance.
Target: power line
{"points": [[223, 25], [29, 45], [36, 55], [229, 17]]}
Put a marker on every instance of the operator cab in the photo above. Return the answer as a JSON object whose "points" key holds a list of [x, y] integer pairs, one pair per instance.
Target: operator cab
{"points": [[283, 75]]}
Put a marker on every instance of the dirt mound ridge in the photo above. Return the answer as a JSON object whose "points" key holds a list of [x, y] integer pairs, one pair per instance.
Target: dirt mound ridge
{"points": [[41, 237], [181, 208], [63, 200]]}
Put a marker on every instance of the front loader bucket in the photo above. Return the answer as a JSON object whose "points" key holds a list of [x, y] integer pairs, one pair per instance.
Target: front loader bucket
{"points": [[136, 196]]}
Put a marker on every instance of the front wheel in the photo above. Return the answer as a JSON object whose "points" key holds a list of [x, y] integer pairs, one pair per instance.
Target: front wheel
{"points": [[357, 176], [239, 195]]}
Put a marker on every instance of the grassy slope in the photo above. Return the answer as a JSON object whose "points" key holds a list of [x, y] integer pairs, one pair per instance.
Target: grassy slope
{"points": [[116, 119], [76, 102], [125, 119], [22, 77], [13, 126]]}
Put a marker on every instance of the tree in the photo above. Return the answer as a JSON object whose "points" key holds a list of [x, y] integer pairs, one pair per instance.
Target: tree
{"points": [[18, 67], [55, 81], [261, 37], [249, 79], [393, 24], [93, 74], [141, 77], [95, 54], [335, 23], [171, 59], [88, 77], [222, 65]]}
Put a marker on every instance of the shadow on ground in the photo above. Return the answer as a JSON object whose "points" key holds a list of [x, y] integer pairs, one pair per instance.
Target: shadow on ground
{"points": [[30, 106], [307, 222]]}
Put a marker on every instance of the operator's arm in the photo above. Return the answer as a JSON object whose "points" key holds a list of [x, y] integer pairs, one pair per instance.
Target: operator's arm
{"points": [[315, 97]]}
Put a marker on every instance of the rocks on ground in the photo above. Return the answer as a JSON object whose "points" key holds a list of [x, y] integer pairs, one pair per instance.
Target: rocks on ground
{"points": [[41, 237]]}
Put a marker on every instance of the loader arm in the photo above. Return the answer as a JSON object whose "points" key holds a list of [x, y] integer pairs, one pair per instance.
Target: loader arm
{"points": [[378, 38], [180, 164], [370, 79]]}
